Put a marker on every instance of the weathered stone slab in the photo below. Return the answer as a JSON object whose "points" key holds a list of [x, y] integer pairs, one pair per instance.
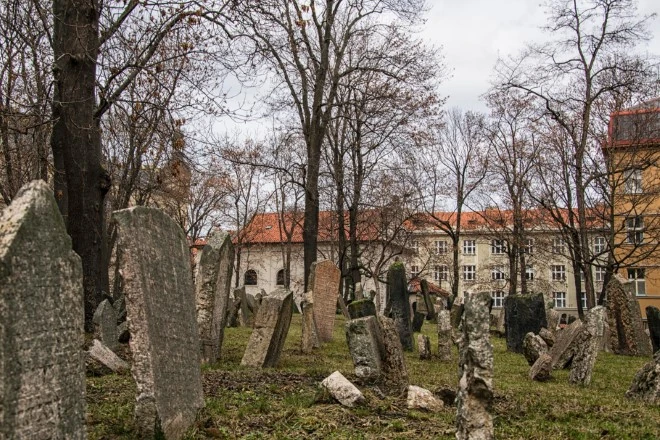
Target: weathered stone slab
{"points": [[475, 386], [342, 390], [361, 308], [42, 376], [588, 346], [213, 285], [106, 357], [625, 320], [653, 320], [420, 398], [533, 347], [154, 265], [309, 339], [522, 314], [397, 293], [646, 384], [365, 343], [105, 325], [324, 282], [233, 311], [552, 316], [542, 368], [445, 341], [123, 333], [565, 346], [271, 325], [426, 304], [418, 321], [547, 336], [394, 362], [424, 347]]}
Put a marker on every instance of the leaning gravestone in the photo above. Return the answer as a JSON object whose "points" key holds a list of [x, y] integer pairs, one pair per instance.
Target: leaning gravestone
{"points": [[105, 325], [653, 320], [522, 314], [566, 345], [361, 308], [417, 321], [271, 325], [533, 347], [324, 283], [646, 383], [397, 293], [213, 283], [427, 303], [627, 331], [588, 347], [42, 376], [154, 265], [475, 386], [444, 335]]}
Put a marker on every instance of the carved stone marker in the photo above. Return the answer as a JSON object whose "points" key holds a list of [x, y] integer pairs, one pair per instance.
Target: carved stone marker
{"points": [[565, 346], [475, 386], [542, 368], [213, 284], [522, 314], [105, 325], [343, 390], [397, 292], [309, 339], [271, 325], [365, 343], [394, 361], [361, 308], [646, 383], [324, 282], [533, 347], [588, 347], [424, 347], [444, 335], [42, 376], [653, 320], [427, 303], [154, 265], [625, 320]]}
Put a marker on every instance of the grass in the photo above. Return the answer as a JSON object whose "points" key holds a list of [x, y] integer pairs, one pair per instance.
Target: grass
{"points": [[285, 403]]}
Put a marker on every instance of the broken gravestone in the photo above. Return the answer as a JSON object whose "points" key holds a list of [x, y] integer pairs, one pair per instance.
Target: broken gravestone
{"points": [[397, 292], [424, 347], [653, 320], [533, 347], [105, 325], [542, 368], [421, 398], [445, 342], [213, 284], [343, 390], [394, 361], [309, 339], [324, 283], [361, 308], [271, 325], [475, 385], [98, 352], [588, 346], [565, 346], [646, 383], [627, 334], [42, 376], [522, 314], [155, 271]]}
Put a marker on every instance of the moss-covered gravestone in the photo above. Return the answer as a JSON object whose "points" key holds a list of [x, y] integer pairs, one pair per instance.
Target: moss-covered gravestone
{"points": [[397, 292]]}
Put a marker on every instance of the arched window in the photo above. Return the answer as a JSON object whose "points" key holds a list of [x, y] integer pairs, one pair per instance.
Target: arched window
{"points": [[250, 278], [280, 280]]}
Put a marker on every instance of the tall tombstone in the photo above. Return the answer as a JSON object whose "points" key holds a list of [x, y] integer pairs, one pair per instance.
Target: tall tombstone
{"points": [[309, 338], [213, 285], [445, 341], [627, 331], [397, 292], [247, 311], [588, 347], [42, 376], [475, 385], [653, 320], [324, 283], [160, 303], [428, 302], [523, 314], [365, 344], [271, 325]]}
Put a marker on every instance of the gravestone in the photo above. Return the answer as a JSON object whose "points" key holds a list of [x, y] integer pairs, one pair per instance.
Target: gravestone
{"points": [[394, 361], [547, 336], [105, 325], [343, 390], [365, 343], [565, 346], [397, 292], [522, 314], [154, 266], [213, 285], [42, 376], [475, 386], [588, 346], [427, 303], [324, 283], [417, 321], [249, 306], [424, 347], [653, 320], [542, 368], [420, 398], [308, 340], [552, 317], [444, 335], [361, 308], [627, 334], [102, 354], [233, 311], [271, 325], [533, 347], [646, 383]]}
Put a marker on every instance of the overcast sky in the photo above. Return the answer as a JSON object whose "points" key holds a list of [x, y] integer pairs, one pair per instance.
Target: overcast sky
{"points": [[473, 33]]}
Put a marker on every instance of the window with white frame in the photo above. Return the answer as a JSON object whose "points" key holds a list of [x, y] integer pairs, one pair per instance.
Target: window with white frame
{"points": [[600, 274], [558, 246], [441, 272], [637, 275], [498, 273], [599, 245], [469, 272], [583, 300], [469, 247], [498, 298], [560, 299], [497, 247], [529, 272], [635, 230], [414, 271], [633, 181], [558, 272], [414, 245], [528, 246], [440, 247]]}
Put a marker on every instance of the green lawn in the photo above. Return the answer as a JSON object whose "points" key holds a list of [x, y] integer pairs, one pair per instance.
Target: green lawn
{"points": [[285, 402]]}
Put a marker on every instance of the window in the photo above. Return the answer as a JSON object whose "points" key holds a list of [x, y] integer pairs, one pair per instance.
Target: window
{"points": [[559, 299], [635, 230], [528, 246], [440, 273], [633, 181], [414, 245], [529, 272], [558, 272], [558, 246], [583, 300], [469, 247], [469, 272], [250, 278], [600, 274], [280, 278], [498, 273], [414, 271], [497, 247], [498, 298], [440, 247], [637, 275], [599, 245]]}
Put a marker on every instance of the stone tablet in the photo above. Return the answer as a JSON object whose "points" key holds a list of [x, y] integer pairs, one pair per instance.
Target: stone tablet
{"points": [[361, 308], [397, 292], [212, 290], [533, 347], [653, 319], [625, 320], [308, 339], [588, 347], [271, 325], [365, 343], [154, 265], [394, 361], [324, 283], [42, 375], [522, 314], [646, 384], [445, 341], [424, 347], [105, 325]]}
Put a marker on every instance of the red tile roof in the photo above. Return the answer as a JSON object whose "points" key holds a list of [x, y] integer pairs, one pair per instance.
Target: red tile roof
{"points": [[415, 285]]}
